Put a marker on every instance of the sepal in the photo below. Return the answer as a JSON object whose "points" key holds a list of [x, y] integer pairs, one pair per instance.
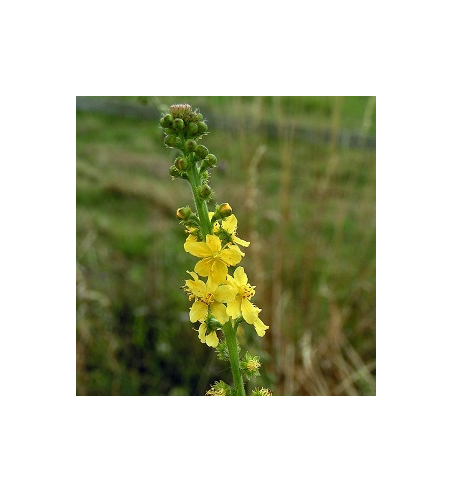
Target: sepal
{"points": [[220, 388], [249, 366]]}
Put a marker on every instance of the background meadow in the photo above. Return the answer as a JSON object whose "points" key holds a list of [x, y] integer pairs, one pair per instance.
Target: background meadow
{"points": [[299, 173]]}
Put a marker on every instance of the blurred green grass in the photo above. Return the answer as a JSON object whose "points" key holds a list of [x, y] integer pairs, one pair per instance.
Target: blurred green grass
{"points": [[308, 207]]}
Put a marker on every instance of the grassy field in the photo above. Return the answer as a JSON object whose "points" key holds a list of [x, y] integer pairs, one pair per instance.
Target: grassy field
{"points": [[299, 173]]}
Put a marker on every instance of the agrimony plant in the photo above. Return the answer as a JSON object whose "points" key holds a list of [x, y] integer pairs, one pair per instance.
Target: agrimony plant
{"points": [[218, 288]]}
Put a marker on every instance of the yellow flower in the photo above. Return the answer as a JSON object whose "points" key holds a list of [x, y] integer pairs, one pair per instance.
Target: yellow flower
{"points": [[208, 296], [230, 226], [211, 339], [215, 259], [241, 305]]}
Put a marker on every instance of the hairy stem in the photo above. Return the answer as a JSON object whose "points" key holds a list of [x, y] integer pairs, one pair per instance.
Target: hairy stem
{"points": [[194, 179], [229, 334]]}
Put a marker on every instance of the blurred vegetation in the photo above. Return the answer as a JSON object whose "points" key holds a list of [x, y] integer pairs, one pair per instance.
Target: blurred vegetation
{"points": [[299, 173]]}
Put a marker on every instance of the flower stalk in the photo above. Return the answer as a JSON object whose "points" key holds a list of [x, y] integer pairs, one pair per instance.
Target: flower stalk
{"points": [[221, 302], [201, 206], [231, 340]]}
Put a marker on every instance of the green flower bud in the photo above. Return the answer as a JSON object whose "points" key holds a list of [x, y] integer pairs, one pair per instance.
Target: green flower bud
{"points": [[200, 117], [183, 213], [224, 210], [204, 167], [191, 145], [211, 159], [212, 324], [168, 120], [202, 151], [202, 127], [178, 124], [192, 128], [162, 123], [205, 192], [170, 140], [181, 164], [174, 172]]}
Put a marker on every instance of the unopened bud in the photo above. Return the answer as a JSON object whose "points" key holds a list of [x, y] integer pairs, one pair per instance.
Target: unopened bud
{"points": [[192, 128], [224, 210], [181, 164], [211, 160], [202, 127], [202, 151], [205, 192], [183, 213], [166, 121], [178, 124], [174, 172], [170, 140], [212, 324], [191, 145]]}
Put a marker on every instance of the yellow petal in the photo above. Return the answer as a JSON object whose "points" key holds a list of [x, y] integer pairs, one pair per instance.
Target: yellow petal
{"points": [[231, 255], [214, 243], [231, 281], [240, 276], [230, 224], [190, 239], [224, 293], [260, 327], [198, 311], [218, 272], [212, 339], [242, 242], [233, 308], [211, 286], [199, 249], [219, 311], [204, 267], [249, 312], [197, 287], [202, 332], [193, 275]]}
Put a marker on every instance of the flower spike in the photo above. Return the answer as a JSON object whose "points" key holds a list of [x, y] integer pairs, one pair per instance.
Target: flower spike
{"points": [[223, 299]]}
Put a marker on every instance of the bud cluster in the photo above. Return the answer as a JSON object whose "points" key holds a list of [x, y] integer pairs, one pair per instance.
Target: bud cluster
{"points": [[183, 128], [183, 123]]}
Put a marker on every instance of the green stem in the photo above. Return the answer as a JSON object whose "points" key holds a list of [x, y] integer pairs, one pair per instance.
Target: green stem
{"points": [[205, 225], [194, 179], [229, 334]]}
